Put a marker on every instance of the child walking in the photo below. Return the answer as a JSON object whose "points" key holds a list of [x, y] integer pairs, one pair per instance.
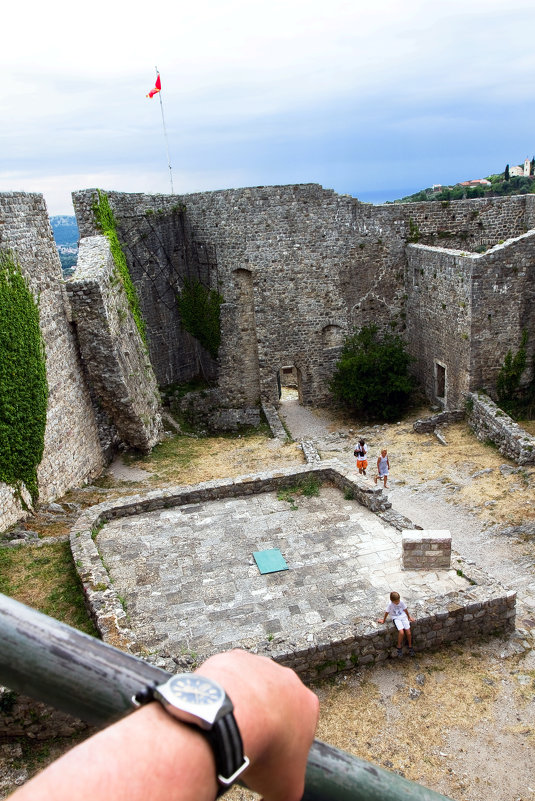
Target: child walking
{"points": [[383, 466], [361, 452], [402, 620]]}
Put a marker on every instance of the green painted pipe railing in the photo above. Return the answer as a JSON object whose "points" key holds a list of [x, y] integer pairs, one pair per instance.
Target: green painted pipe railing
{"points": [[63, 667]]}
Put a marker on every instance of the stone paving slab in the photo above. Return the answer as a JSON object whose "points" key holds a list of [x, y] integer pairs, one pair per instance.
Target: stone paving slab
{"points": [[189, 582]]}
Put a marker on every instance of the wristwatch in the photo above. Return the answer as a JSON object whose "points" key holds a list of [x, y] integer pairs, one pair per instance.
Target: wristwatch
{"points": [[203, 703]]}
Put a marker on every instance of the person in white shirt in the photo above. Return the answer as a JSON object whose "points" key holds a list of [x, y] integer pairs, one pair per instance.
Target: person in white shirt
{"points": [[361, 452], [402, 620]]}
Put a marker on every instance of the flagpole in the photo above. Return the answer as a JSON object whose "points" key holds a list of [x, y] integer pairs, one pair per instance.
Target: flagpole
{"points": [[165, 137]]}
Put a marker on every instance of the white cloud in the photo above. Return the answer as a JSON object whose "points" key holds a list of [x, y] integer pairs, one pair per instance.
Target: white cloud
{"points": [[257, 89]]}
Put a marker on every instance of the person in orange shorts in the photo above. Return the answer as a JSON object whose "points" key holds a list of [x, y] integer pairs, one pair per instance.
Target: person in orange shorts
{"points": [[361, 452]]}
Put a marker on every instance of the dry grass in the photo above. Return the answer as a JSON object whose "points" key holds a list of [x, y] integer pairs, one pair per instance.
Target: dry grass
{"points": [[376, 718]]}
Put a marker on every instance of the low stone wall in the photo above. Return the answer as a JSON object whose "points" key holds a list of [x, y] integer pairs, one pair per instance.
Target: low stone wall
{"points": [[489, 422], [428, 425], [21, 716], [274, 422], [426, 550], [457, 616]]}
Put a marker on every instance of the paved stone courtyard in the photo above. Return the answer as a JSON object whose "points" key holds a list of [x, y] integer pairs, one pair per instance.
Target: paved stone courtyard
{"points": [[189, 581]]}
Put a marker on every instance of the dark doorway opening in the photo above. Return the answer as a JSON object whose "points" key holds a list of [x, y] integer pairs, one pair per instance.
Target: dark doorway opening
{"points": [[440, 381]]}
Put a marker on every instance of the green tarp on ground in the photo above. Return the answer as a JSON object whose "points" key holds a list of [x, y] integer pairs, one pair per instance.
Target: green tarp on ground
{"points": [[270, 561]]}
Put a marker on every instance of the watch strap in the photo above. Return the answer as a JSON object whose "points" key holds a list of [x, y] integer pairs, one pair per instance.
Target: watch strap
{"points": [[224, 738], [226, 742]]}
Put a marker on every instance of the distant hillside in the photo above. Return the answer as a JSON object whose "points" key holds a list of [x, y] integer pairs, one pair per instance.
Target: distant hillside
{"points": [[515, 185], [66, 236]]}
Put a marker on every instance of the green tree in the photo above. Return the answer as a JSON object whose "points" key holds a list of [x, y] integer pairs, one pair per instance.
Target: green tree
{"points": [[506, 173], [371, 377], [508, 381]]}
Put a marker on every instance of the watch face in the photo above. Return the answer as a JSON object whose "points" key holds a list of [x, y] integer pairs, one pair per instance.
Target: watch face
{"points": [[194, 699], [194, 689]]}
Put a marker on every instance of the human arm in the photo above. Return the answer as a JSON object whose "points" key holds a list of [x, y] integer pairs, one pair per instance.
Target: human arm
{"points": [[150, 756], [411, 619], [384, 618]]}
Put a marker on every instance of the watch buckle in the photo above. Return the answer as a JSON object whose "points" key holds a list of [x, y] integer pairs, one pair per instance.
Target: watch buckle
{"points": [[229, 780]]}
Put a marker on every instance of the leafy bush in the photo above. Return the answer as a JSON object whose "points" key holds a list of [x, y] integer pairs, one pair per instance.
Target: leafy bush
{"points": [[371, 376]]}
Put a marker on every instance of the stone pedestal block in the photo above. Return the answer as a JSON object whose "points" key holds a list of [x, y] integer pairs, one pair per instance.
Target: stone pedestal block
{"points": [[426, 550]]}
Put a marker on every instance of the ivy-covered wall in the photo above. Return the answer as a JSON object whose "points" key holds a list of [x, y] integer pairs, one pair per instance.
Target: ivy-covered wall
{"points": [[71, 451], [23, 385]]}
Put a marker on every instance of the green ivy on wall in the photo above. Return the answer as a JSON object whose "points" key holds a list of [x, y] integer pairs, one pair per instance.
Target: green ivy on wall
{"points": [[107, 224], [200, 314], [23, 385]]}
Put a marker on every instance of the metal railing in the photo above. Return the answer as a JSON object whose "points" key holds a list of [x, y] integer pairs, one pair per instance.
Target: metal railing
{"points": [[94, 681]]}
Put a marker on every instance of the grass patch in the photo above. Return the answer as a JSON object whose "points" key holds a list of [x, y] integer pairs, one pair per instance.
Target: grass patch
{"points": [[45, 578], [309, 486]]}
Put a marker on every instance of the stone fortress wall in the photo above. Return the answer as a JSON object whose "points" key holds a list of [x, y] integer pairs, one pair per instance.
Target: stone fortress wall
{"points": [[72, 450], [298, 267]]}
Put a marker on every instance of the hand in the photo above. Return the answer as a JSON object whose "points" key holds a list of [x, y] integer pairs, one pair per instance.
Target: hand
{"points": [[277, 716], [380, 621]]}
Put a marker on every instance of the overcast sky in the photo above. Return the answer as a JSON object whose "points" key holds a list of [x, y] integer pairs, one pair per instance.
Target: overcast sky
{"points": [[373, 98]]}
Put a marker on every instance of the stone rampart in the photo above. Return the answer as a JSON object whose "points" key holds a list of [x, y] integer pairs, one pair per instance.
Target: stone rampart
{"points": [[299, 266], [72, 451], [465, 311], [114, 355], [489, 422]]}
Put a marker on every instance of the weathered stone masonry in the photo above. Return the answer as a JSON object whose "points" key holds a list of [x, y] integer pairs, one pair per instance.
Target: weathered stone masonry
{"points": [[95, 360], [72, 450], [299, 266]]}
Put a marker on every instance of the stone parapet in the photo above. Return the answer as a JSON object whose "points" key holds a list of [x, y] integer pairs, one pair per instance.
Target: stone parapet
{"points": [[426, 550], [72, 451], [457, 616]]}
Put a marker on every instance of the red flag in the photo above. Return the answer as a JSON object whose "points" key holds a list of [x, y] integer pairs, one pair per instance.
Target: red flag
{"points": [[157, 87]]}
